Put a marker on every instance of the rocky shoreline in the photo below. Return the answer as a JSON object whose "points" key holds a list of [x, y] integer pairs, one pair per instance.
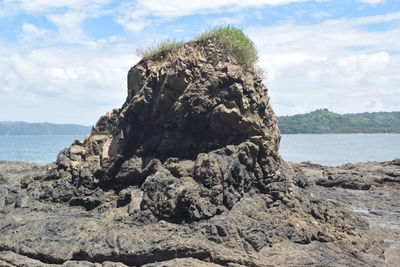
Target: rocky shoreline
{"points": [[370, 189], [188, 173], [35, 233]]}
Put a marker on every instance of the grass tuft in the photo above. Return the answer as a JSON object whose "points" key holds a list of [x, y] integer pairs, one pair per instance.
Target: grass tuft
{"points": [[158, 47], [236, 41]]}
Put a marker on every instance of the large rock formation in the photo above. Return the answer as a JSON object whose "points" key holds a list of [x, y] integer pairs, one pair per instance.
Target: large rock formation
{"points": [[195, 133], [187, 171]]}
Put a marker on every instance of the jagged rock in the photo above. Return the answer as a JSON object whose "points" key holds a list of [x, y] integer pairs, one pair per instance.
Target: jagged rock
{"points": [[356, 176], [200, 131], [186, 172]]}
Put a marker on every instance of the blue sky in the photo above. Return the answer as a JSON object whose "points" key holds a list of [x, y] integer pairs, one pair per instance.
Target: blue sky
{"points": [[65, 61]]}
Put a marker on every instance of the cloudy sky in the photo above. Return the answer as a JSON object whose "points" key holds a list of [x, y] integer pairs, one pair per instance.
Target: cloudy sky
{"points": [[65, 61]]}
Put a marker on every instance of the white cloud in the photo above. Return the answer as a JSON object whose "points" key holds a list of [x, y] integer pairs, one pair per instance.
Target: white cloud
{"points": [[372, 2], [59, 78], [169, 9], [136, 15], [367, 20], [336, 64], [69, 26], [66, 15], [236, 19], [30, 32], [44, 6]]}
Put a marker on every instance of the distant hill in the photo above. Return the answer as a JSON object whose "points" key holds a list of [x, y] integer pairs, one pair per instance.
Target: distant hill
{"points": [[25, 128], [324, 121]]}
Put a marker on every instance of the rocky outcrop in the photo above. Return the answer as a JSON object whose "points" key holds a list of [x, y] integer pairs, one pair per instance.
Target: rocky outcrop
{"points": [[186, 172], [369, 189], [196, 127], [361, 176]]}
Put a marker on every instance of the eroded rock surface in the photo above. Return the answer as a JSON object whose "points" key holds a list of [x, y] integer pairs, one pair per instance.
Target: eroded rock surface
{"points": [[371, 190], [196, 127], [187, 172], [361, 176]]}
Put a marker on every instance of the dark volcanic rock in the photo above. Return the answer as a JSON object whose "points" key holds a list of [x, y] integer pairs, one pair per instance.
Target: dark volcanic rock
{"points": [[374, 194], [360, 176], [187, 172], [196, 127]]}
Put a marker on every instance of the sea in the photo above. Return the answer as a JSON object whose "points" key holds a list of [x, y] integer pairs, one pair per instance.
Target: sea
{"points": [[324, 149]]}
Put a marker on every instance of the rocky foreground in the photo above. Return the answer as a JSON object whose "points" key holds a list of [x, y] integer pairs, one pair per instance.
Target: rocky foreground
{"points": [[39, 233], [187, 173]]}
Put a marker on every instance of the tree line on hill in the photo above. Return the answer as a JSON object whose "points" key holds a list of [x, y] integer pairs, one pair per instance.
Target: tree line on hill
{"points": [[320, 121], [323, 121], [25, 128]]}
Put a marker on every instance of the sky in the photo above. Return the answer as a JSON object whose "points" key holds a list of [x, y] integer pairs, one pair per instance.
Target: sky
{"points": [[66, 61]]}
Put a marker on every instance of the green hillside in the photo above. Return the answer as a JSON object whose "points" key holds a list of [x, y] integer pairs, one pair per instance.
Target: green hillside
{"points": [[323, 121], [25, 128]]}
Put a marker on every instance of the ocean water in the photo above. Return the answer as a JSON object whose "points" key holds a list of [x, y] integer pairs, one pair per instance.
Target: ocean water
{"points": [[325, 149], [41, 149], [338, 149]]}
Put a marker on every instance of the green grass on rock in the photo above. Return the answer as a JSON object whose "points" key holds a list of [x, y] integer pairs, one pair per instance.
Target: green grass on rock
{"points": [[158, 47], [234, 39]]}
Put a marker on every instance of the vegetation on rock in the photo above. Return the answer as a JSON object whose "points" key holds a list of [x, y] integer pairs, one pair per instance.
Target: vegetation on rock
{"points": [[323, 121], [156, 48], [234, 39]]}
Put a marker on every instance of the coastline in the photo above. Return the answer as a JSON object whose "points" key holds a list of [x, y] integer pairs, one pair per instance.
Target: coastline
{"points": [[369, 191]]}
